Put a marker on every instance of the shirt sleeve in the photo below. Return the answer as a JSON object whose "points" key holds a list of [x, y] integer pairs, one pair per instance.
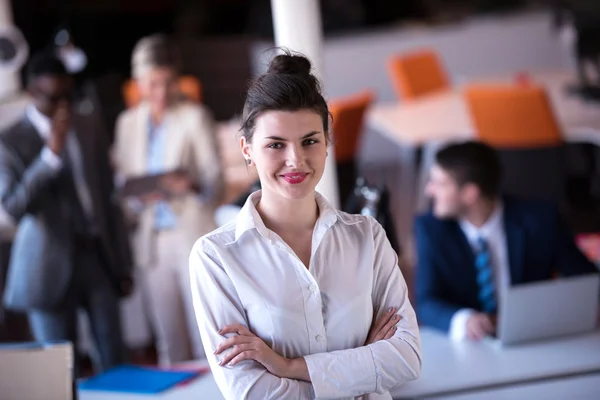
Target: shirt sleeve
{"points": [[19, 191], [458, 324], [217, 304], [380, 366], [51, 159]]}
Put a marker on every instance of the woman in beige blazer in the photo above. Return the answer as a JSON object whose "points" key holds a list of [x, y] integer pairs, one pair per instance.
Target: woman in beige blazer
{"points": [[166, 133]]}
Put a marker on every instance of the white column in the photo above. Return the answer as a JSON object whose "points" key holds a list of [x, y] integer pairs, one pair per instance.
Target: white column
{"points": [[10, 83], [297, 25]]}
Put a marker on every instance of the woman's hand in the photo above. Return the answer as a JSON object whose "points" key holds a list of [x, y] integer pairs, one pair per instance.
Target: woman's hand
{"points": [[248, 346], [385, 327]]}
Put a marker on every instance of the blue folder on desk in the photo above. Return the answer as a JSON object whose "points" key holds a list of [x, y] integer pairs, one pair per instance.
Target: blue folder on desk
{"points": [[136, 379]]}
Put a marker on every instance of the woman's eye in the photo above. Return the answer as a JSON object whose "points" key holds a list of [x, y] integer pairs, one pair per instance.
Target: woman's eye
{"points": [[276, 145], [310, 141]]}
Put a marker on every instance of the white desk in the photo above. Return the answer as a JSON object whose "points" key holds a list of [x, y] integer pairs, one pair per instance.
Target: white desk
{"points": [[464, 371], [451, 368], [581, 388], [445, 115]]}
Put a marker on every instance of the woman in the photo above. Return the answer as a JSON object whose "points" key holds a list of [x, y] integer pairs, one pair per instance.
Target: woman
{"points": [[165, 133], [286, 295]]}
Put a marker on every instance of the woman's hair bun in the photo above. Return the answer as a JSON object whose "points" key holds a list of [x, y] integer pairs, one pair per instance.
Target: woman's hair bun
{"points": [[289, 63]]}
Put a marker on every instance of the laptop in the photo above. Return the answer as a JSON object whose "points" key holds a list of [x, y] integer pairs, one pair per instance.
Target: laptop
{"points": [[548, 309]]}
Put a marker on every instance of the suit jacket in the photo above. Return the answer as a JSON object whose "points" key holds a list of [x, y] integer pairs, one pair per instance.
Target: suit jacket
{"points": [[191, 146], [32, 193], [539, 246]]}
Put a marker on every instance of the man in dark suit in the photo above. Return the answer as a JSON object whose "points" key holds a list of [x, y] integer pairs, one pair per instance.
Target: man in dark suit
{"points": [[477, 243], [70, 250]]}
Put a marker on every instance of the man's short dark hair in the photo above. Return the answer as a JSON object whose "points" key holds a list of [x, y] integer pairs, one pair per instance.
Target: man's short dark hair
{"points": [[473, 162], [45, 63]]}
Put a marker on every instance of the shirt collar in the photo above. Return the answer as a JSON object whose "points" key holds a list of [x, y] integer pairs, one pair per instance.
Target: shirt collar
{"points": [[249, 219], [493, 223], [155, 127], [40, 122]]}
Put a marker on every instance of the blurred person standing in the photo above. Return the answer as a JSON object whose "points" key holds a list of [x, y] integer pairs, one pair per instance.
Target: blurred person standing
{"points": [[166, 133], [56, 187]]}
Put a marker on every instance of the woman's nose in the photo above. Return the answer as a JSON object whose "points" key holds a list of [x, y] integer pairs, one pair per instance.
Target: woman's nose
{"points": [[295, 156]]}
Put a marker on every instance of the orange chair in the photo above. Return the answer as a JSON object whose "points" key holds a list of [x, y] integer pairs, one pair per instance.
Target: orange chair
{"points": [[512, 116], [348, 115], [189, 86], [417, 73], [518, 121]]}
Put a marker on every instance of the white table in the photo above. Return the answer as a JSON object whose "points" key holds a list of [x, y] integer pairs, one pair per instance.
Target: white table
{"points": [[445, 115], [464, 371], [452, 368], [581, 388], [433, 120]]}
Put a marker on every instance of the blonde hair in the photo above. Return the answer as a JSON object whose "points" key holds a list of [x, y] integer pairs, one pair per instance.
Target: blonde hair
{"points": [[152, 52]]}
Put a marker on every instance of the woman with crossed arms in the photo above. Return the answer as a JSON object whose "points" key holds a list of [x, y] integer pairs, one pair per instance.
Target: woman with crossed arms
{"points": [[295, 299]]}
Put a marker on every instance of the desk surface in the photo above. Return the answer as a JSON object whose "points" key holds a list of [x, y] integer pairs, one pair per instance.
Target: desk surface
{"points": [[581, 388], [450, 367], [445, 116], [456, 368]]}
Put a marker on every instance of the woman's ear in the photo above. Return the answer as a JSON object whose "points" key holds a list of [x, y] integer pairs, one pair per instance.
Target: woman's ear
{"points": [[245, 148]]}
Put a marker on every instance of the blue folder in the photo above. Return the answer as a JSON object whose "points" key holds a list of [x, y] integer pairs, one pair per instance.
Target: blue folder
{"points": [[136, 379]]}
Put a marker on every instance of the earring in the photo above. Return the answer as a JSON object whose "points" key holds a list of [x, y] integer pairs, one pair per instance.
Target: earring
{"points": [[248, 161], [326, 154]]}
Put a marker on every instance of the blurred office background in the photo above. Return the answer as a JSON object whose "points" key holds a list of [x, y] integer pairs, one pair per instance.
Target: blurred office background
{"points": [[397, 124]]}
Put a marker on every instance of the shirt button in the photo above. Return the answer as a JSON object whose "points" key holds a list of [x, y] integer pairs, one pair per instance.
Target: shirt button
{"points": [[312, 288], [319, 338]]}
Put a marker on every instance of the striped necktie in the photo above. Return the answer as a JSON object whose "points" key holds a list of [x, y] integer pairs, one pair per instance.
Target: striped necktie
{"points": [[485, 277]]}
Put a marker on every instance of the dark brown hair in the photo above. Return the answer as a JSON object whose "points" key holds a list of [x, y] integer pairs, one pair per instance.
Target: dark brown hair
{"points": [[288, 85], [473, 162]]}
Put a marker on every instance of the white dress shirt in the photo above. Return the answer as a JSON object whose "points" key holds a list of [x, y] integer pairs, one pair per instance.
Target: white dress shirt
{"points": [[495, 236], [245, 273], [43, 126]]}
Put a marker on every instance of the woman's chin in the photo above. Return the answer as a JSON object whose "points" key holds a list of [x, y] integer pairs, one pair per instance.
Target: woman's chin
{"points": [[297, 191]]}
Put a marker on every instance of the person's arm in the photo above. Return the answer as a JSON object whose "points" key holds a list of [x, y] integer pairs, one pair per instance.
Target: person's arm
{"points": [[216, 305], [207, 158], [18, 193], [118, 156], [385, 364], [458, 324], [117, 152], [433, 310]]}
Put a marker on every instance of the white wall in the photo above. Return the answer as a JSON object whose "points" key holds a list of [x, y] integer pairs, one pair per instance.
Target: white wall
{"points": [[482, 46]]}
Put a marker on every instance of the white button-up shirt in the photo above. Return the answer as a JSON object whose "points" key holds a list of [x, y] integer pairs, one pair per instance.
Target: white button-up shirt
{"points": [[245, 273], [495, 236]]}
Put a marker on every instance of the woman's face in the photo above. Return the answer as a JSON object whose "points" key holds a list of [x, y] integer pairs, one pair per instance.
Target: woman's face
{"points": [[157, 86], [288, 150]]}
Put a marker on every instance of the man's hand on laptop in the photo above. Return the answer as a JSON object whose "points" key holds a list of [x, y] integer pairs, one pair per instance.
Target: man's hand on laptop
{"points": [[480, 325]]}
